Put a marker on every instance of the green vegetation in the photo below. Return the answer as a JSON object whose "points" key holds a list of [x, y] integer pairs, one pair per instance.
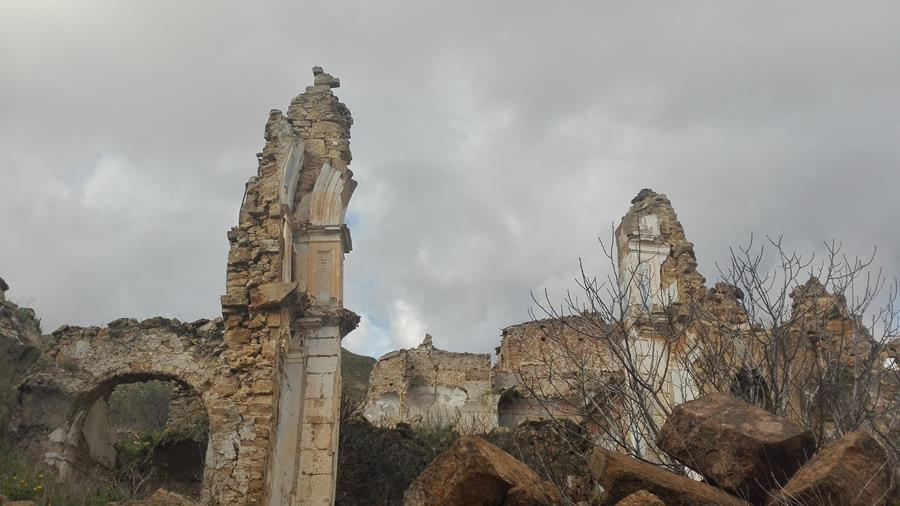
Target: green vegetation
{"points": [[21, 480], [355, 371], [141, 407]]}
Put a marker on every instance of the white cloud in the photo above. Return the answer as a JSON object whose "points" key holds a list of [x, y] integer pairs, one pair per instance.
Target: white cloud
{"points": [[492, 144], [407, 327]]}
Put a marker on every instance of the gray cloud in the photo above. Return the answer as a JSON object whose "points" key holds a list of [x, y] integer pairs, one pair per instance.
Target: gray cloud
{"points": [[494, 142]]}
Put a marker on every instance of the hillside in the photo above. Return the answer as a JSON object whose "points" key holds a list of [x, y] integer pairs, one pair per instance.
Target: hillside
{"points": [[355, 371]]}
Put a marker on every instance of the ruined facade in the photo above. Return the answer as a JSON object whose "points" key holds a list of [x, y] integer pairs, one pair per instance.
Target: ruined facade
{"points": [[268, 371], [665, 325], [537, 363], [541, 364], [432, 386], [283, 308]]}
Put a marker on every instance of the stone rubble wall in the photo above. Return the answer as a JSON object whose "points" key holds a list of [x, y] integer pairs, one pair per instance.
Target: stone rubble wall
{"points": [[58, 400], [537, 360], [186, 411], [679, 267], [272, 285], [20, 347], [425, 385]]}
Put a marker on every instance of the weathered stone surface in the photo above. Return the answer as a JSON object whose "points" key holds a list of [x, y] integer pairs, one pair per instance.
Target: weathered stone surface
{"points": [[852, 471], [59, 412], [737, 446], [621, 476], [20, 344], [641, 498], [426, 384], [474, 472], [159, 498], [271, 294]]}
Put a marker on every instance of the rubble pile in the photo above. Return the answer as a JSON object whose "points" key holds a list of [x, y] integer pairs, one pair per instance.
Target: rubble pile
{"points": [[741, 454]]}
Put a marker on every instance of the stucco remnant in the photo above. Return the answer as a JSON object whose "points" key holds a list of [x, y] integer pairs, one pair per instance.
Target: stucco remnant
{"points": [[432, 386]]}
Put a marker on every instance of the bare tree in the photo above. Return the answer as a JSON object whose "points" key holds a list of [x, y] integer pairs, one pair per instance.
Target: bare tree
{"points": [[802, 337]]}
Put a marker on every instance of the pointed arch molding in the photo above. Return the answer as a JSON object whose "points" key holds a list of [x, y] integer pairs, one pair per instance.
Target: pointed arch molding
{"points": [[330, 196]]}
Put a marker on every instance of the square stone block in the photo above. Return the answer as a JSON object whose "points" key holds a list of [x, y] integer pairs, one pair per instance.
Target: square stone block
{"points": [[316, 462], [319, 386], [316, 436], [319, 411], [327, 346], [316, 490], [322, 364]]}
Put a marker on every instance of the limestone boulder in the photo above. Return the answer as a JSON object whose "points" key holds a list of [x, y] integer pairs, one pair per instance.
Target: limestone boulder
{"points": [[20, 348], [736, 446], [271, 294], [473, 472], [161, 497], [641, 498], [852, 471], [621, 476]]}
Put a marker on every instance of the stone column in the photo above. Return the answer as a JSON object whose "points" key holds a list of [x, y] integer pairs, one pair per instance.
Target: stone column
{"points": [[314, 187], [320, 263], [320, 419]]}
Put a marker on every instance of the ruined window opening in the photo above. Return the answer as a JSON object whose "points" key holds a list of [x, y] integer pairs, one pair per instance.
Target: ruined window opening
{"points": [[513, 408]]}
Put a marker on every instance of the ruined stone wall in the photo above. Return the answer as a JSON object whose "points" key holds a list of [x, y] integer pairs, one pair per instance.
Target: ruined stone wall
{"points": [[20, 347], [283, 305], [425, 385], [61, 404], [543, 353], [186, 411], [654, 256], [547, 360]]}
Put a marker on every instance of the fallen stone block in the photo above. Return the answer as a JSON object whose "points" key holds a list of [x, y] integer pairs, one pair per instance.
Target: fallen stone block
{"points": [[852, 471], [621, 476], [473, 472], [271, 294], [641, 498], [161, 497], [736, 446]]}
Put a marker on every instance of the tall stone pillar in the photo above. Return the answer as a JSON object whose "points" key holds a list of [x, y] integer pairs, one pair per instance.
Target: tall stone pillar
{"points": [[283, 311], [315, 188]]}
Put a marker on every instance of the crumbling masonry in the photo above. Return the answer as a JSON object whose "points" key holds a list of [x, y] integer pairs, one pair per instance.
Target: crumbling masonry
{"points": [[268, 371], [667, 308], [283, 309]]}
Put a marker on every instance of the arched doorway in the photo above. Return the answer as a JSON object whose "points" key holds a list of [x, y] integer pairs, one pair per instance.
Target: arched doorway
{"points": [[513, 408], [140, 432]]}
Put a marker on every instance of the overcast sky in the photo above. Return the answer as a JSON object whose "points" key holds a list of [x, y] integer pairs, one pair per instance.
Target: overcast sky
{"points": [[493, 142]]}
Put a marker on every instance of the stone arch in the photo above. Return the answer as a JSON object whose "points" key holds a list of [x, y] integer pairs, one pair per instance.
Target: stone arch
{"points": [[88, 440], [330, 196], [88, 363]]}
